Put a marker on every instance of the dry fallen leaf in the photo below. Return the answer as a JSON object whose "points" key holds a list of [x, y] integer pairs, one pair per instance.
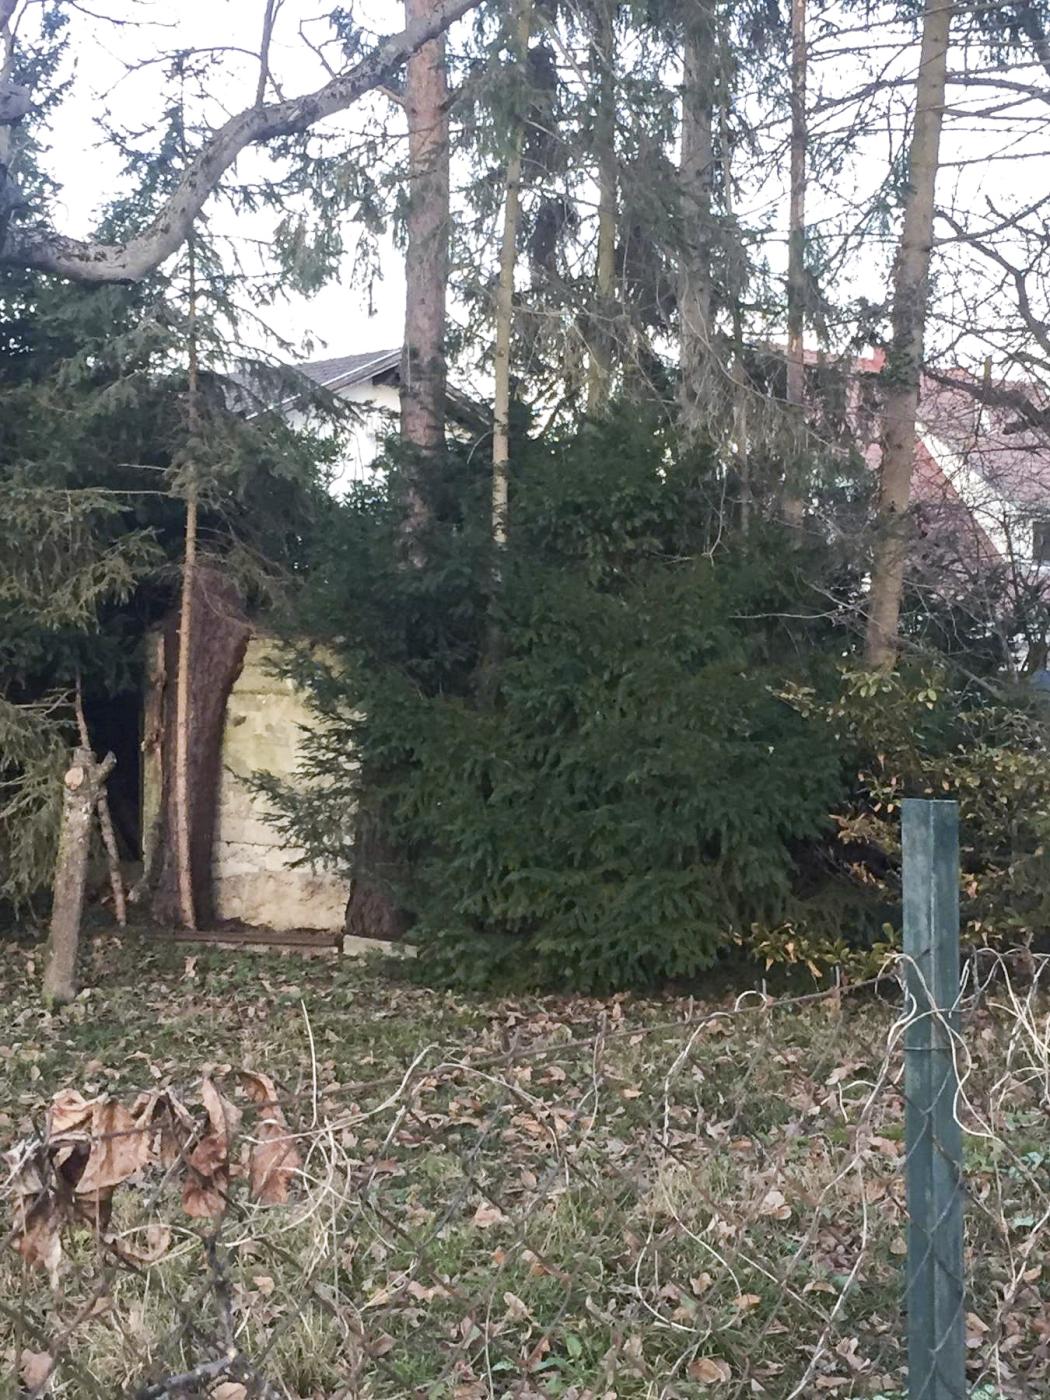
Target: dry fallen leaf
{"points": [[203, 1200], [487, 1215], [158, 1238], [709, 1370], [228, 1390], [119, 1148], [69, 1112], [275, 1158], [517, 1311], [224, 1116], [170, 1123], [35, 1368], [208, 1165], [774, 1204]]}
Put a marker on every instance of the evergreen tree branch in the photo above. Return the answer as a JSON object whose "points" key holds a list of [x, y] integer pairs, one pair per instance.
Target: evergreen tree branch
{"points": [[96, 262]]}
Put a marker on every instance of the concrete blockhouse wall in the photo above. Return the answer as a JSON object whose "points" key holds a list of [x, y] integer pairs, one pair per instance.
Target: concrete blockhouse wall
{"points": [[255, 881]]}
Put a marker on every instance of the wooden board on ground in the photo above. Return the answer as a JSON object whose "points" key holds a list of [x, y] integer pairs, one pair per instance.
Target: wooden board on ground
{"points": [[263, 939]]}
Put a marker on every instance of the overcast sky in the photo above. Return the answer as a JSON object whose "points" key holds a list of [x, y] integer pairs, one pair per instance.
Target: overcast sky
{"points": [[1000, 155]]}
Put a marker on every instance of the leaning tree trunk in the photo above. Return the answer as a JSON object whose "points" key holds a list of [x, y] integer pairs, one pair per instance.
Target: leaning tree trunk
{"points": [[904, 363], [84, 782], [373, 910], [219, 639], [696, 173]]}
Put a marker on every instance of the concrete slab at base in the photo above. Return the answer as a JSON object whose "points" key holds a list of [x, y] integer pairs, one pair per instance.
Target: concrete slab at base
{"points": [[354, 947]]}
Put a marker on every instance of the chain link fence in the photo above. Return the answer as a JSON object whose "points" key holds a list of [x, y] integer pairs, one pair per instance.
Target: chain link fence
{"points": [[714, 1204]]}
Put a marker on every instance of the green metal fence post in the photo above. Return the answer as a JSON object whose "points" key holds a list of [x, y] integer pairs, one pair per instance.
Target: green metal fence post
{"points": [[935, 1291]]}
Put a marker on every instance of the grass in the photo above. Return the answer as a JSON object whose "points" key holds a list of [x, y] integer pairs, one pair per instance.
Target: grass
{"points": [[574, 1198]]}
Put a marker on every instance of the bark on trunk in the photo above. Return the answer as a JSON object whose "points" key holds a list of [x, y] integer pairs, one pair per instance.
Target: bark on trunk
{"points": [[603, 66], [84, 781], [695, 180], [423, 370], [904, 362], [505, 304], [372, 910], [219, 639], [794, 496]]}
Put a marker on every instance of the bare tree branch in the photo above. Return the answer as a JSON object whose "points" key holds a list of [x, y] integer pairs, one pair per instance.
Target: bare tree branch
{"points": [[89, 261], [998, 394], [1036, 327]]}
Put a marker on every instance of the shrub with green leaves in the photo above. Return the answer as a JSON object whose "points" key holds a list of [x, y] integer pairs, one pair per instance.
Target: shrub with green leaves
{"points": [[588, 767], [930, 732]]}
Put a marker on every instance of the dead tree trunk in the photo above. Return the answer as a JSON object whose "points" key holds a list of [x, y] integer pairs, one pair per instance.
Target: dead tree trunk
{"points": [[220, 636], [794, 498], [84, 782], [105, 822], [904, 362], [696, 173]]}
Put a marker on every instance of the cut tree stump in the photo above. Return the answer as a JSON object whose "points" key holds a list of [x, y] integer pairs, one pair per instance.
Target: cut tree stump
{"points": [[84, 782]]}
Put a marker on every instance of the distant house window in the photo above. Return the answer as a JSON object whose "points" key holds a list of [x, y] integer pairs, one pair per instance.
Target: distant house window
{"points": [[1041, 541]]}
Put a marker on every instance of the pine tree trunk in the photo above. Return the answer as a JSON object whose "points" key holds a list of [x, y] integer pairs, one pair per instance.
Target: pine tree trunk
{"points": [[695, 180], [904, 367], [423, 368], [84, 782], [601, 347], [794, 499], [505, 306], [372, 910]]}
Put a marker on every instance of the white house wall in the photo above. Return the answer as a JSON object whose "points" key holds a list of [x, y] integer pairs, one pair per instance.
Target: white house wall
{"points": [[361, 441]]}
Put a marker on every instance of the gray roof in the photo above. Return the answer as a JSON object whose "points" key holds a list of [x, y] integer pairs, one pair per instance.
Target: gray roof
{"points": [[344, 370]]}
